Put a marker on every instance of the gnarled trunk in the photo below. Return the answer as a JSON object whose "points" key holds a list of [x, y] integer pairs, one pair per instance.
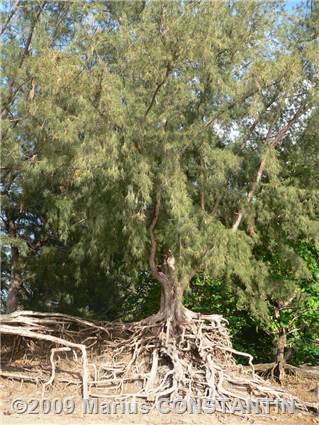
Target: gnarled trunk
{"points": [[171, 306]]}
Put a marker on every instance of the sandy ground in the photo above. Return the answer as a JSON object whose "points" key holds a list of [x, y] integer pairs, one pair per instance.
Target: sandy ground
{"points": [[9, 417], [296, 419], [11, 390]]}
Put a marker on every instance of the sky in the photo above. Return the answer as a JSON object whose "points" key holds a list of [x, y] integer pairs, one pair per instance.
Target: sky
{"points": [[291, 4], [6, 5]]}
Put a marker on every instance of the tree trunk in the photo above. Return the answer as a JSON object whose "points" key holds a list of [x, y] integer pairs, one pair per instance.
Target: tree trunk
{"points": [[15, 282], [172, 288], [280, 361], [172, 292], [16, 278], [172, 301]]}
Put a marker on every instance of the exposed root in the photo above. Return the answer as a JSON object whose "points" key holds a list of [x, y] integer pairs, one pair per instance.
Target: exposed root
{"points": [[50, 381], [147, 359], [303, 371]]}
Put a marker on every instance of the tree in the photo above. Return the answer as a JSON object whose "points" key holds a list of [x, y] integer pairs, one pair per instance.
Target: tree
{"points": [[286, 232], [33, 178], [161, 124]]}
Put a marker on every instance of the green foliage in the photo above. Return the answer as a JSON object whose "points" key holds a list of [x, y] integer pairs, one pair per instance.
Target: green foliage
{"points": [[214, 297], [291, 300], [142, 299], [307, 338]]}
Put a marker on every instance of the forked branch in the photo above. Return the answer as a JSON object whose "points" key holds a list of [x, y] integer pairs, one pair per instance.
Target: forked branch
{"points": [[280, 135]]}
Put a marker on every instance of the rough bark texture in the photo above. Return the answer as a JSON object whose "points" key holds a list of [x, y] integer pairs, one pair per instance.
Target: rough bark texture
{"points": [[280, 361]]}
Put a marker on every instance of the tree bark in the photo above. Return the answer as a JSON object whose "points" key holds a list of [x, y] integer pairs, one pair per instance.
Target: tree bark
{"points": [[16, 277], [172, 292], [280, 360]]}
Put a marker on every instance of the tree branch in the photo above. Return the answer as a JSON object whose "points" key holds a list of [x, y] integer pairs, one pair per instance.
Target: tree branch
{"points": [[203, 183], [12, 92], [29, 39], [152, 254], [235, 102], [280, 135], [254, 125], [168, 69], [10, 16]]}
